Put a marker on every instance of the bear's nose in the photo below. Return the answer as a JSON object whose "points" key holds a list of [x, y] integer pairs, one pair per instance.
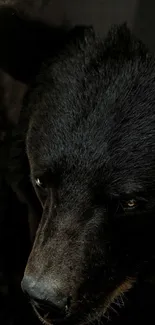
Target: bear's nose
{"points": [[53, 300]]}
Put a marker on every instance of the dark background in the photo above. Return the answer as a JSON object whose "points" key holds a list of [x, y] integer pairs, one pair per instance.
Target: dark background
{"points": [[139, 14]]}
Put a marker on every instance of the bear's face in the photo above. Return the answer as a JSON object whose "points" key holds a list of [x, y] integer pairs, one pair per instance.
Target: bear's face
{"points": [[91, 149]]}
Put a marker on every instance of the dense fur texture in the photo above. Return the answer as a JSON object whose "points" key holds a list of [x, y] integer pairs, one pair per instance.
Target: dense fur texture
{"points": [[90, 141]]}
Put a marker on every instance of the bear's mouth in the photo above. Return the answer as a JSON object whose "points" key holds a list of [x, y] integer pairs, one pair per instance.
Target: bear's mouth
{"points": [[47, 318], [46, 315]]}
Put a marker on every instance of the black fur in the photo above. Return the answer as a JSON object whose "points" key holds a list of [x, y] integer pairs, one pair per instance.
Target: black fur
{"points": [[90, 140]]}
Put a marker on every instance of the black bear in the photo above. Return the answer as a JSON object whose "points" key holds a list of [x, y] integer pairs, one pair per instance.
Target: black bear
{"points": [[88, 129]]}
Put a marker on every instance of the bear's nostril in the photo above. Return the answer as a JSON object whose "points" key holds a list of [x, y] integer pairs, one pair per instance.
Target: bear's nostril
{"points": [[54, 300]]}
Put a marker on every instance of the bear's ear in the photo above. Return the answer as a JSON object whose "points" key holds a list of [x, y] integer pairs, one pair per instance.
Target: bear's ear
{"points": [[81, 30], [121, 42], [81, 35], [119, 32]]}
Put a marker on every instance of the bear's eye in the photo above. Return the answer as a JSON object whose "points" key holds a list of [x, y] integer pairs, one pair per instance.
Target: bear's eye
{"points": [[130, 204], [39, 183]]}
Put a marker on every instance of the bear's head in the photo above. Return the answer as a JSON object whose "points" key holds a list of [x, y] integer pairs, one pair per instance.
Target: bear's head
{"points": [[91, 150]]}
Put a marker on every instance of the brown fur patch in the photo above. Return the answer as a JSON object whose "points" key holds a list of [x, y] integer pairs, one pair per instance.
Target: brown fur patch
{"points": [[119, 291]]}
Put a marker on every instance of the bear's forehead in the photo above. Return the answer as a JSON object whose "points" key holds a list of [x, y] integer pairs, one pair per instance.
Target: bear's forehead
{"points": [[121, 152], [106, 124], [118, 125]]}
